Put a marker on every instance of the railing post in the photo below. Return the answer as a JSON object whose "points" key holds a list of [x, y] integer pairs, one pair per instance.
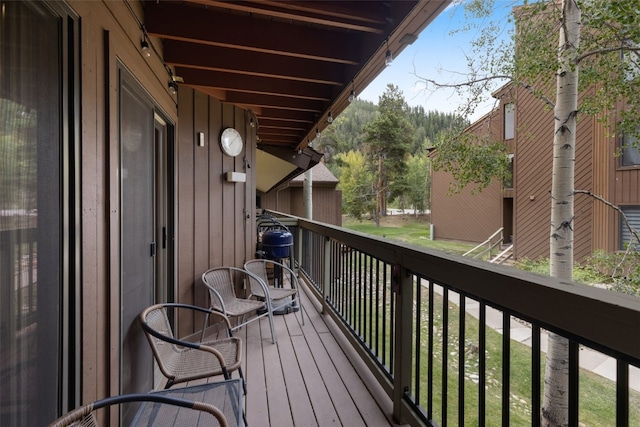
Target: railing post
{"points": [[402, 282], [300, 252], [326, 280]]}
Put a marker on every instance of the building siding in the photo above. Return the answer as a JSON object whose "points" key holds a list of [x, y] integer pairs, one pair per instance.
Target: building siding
{"points": [[468, 215], [595, 224], [211, 214], [326, 199]]}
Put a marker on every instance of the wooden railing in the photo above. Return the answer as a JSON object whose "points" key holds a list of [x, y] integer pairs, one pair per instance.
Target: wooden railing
{"points": [[407, 311], [485, 249]]}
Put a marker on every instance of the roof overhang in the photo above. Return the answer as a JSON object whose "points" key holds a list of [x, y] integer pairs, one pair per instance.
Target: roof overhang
{"points": [[275, 166], [291, 63]]}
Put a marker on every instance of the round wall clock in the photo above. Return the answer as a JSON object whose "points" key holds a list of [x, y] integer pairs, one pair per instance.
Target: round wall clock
{"points": [[231, 142]]}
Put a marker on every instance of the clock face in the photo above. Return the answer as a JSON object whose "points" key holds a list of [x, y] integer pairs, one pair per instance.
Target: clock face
{"points": [[231, 142]]}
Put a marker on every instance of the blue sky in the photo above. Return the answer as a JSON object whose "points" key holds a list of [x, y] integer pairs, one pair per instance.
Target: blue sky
{"points": [[438, 55]]}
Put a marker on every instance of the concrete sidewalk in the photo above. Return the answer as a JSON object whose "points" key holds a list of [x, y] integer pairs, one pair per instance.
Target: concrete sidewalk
{"points": [[592, 360]]}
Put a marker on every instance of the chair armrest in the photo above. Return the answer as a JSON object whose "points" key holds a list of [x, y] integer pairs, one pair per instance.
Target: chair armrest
{"points": [[222, 316], [293, 274]]}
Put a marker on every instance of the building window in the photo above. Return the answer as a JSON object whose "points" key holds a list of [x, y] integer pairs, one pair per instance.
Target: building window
{"points": [[630, 153], [509, 121], [508, 180], [633, 216]]}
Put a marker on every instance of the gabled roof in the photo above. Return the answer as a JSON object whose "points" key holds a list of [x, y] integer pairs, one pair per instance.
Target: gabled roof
{"points": [[320, 176]]}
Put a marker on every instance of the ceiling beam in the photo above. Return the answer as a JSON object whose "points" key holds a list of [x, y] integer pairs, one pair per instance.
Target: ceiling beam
{"points": [[199, 25], [255, 84], [275, 102], [215, 58], [346, 19]]}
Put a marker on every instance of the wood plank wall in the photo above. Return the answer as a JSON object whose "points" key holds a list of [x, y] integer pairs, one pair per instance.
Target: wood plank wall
{"points": [[215, 218], [327, 203], [110, 34]]}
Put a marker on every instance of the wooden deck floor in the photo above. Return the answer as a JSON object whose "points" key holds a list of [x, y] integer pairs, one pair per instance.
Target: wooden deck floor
{"points": [[306, 378]]}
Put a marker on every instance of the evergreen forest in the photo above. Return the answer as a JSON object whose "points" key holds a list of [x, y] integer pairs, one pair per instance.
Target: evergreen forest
{"points": [[380, 153]]}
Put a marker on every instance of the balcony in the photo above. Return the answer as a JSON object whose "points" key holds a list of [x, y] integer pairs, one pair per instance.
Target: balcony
{"points": [[386, 303]]}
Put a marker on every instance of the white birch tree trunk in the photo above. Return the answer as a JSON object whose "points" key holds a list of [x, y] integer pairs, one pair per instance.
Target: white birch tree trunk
{"points": [[307, 194], [556, 379]]}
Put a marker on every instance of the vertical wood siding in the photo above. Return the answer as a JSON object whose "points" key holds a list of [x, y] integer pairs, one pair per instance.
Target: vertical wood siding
{"points": [[603, 226], [466, 216], [533, 180], [327, 203], [213, 228], [109, 33]]}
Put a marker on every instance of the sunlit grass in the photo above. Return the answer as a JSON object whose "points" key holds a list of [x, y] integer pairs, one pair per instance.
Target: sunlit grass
{"points": [[407, 229]]}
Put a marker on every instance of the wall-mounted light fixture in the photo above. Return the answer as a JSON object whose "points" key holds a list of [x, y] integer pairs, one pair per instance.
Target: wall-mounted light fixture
{"points": [[388, 57], [317, 132], [352, 96], [329, 118], [236, 177], [144, 47], [173, 87]]}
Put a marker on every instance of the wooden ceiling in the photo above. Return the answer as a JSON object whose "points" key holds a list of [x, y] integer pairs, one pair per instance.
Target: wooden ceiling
{"points": [[290, 62]]}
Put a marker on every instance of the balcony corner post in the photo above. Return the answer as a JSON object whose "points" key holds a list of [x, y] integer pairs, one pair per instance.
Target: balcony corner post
{"points": [[404, 294]]}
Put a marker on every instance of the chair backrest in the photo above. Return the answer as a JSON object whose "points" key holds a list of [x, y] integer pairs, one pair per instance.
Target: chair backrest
{"points": [[219, 282], [259, 268], [85, 415], [155, 318]]}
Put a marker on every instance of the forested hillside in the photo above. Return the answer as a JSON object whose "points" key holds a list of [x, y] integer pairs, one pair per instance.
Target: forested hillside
{"points": [[380, 152]]}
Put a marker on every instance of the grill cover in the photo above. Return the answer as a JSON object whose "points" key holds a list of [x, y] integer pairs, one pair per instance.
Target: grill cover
{"points": [[277, 243]]}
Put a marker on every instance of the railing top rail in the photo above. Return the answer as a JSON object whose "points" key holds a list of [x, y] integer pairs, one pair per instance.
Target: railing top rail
{"points": [[594, 315]]}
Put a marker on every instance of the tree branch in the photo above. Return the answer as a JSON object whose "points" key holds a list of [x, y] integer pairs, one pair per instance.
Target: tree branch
{"points": [[522, 84], [606, 50], [467, 83], [624, 218]]}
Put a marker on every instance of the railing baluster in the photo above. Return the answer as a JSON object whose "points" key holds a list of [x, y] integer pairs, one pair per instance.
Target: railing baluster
{"points": [[384, 314], [461, 351], [370, 301], [506, 367], [622, 394], [392, 329], [360, 312], [535, 376], [430, 355], [418, 338], [574, 377], [445, 353], [482, 365], [378, 314]]}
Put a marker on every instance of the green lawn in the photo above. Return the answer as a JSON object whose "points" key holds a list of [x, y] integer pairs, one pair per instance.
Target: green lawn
{"points": [[597, 394], [407, 229]]}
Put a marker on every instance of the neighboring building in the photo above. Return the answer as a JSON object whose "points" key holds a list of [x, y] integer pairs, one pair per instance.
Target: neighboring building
{"points": [[451, 215], [527, 127], [327, 200]]}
